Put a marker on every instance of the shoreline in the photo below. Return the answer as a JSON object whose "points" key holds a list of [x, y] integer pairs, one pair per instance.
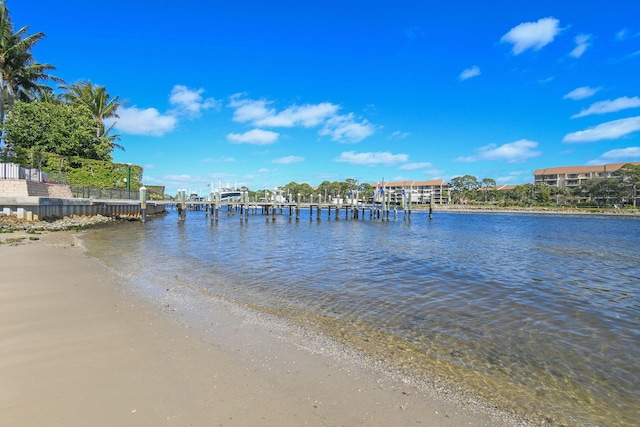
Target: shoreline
{"points": [[534, 210], [84, 348]]}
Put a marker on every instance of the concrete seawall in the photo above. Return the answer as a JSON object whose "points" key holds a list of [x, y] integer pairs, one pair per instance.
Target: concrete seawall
{"points": [[34, 200], [32, 208]]}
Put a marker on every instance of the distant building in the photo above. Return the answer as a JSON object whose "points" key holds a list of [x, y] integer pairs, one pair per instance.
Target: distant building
{"points": [[574, 176], [422, 192]]}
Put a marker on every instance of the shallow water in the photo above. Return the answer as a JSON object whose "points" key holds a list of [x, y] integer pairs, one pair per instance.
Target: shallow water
{"points": [[540, 314]]}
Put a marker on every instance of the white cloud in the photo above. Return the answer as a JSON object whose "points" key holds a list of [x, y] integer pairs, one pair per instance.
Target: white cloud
{"points": [[581, 93], [414, 166], [582, 43], [255, 136], [622, 154], [629, 154], [148, 121], [288, 160], [609, 106], [513, 177], [622, 34], [304, 115], [258, 113], [347, 129], [532, 35], [248, 110], [609, 130], [341, 128], [219, 160], [513, 152], [371, 159], [399, 135], [625, 34], [470, 72], [190, 102]]}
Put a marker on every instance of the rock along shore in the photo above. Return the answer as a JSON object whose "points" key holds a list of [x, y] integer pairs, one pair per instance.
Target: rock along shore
{"points": [[14, 230]]}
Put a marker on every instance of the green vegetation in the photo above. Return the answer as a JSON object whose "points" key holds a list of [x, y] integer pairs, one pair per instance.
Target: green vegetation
{"points": [[620, 191], [61, 129], [64, 135], [21, 76], [327, 189]]}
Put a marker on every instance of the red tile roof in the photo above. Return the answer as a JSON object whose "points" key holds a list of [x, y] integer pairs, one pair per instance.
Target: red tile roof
{"points": [[611, 167]]}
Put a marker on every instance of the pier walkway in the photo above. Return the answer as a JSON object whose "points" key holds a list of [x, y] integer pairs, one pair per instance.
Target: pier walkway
{"points": [[382, 211]]}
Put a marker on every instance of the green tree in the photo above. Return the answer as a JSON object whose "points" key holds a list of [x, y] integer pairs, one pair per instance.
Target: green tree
{"points": [[365, 189], [564, 192], [464, 187], [630, 174], [305, 190], [101, 105], [543, 193], [20, 74], [351, 183], [48, 95], [603, 190], [293, 189], [324, 189], [62, 129], [487, 185], [521, 194]]}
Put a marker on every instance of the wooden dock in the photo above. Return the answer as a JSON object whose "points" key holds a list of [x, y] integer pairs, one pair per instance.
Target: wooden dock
{"points": [[380, 208], [272, 210]]}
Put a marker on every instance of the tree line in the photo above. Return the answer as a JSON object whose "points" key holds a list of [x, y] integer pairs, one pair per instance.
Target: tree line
{"points": [[36, 122], [327, 189], [618, 190]]}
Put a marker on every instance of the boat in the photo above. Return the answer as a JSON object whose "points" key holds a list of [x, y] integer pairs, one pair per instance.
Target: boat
{"points": [[229, 195], [226, 194]]}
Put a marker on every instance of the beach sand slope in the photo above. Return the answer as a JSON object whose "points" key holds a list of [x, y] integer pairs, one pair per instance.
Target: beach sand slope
{"points": [[76, 349]]}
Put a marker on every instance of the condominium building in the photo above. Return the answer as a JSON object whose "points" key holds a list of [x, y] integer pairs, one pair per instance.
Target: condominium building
{"points": [[574, 176], [422, 192]]}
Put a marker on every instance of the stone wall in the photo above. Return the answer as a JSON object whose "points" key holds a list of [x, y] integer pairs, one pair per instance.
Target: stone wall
{"points": [[25, 188]]}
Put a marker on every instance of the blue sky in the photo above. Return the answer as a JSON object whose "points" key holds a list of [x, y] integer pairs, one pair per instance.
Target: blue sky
{"points": [[264, 93]]}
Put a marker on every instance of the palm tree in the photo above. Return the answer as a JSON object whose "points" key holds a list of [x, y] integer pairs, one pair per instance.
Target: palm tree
{"points": [[47, 95], [102, 107], [20, 74]]}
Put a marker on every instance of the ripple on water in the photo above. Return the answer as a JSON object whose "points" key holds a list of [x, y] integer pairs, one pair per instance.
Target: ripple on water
{"points": [[540, 314]]}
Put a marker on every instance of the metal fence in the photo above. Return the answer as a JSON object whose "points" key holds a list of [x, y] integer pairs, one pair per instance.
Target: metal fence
{"points": [[86, 192], [15, 171]]}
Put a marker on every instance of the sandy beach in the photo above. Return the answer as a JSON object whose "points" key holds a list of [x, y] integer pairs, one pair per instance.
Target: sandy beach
{"points": [[79, 348]]}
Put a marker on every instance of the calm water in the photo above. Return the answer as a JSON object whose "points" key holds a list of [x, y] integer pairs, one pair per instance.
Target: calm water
{"points": [[538, 313]]}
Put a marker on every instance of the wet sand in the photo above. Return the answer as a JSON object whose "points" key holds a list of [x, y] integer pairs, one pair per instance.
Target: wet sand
{"points": [[79, 348]]}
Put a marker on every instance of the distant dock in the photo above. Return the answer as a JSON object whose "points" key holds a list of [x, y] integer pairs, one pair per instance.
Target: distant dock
{"points": [[272, 210]]}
